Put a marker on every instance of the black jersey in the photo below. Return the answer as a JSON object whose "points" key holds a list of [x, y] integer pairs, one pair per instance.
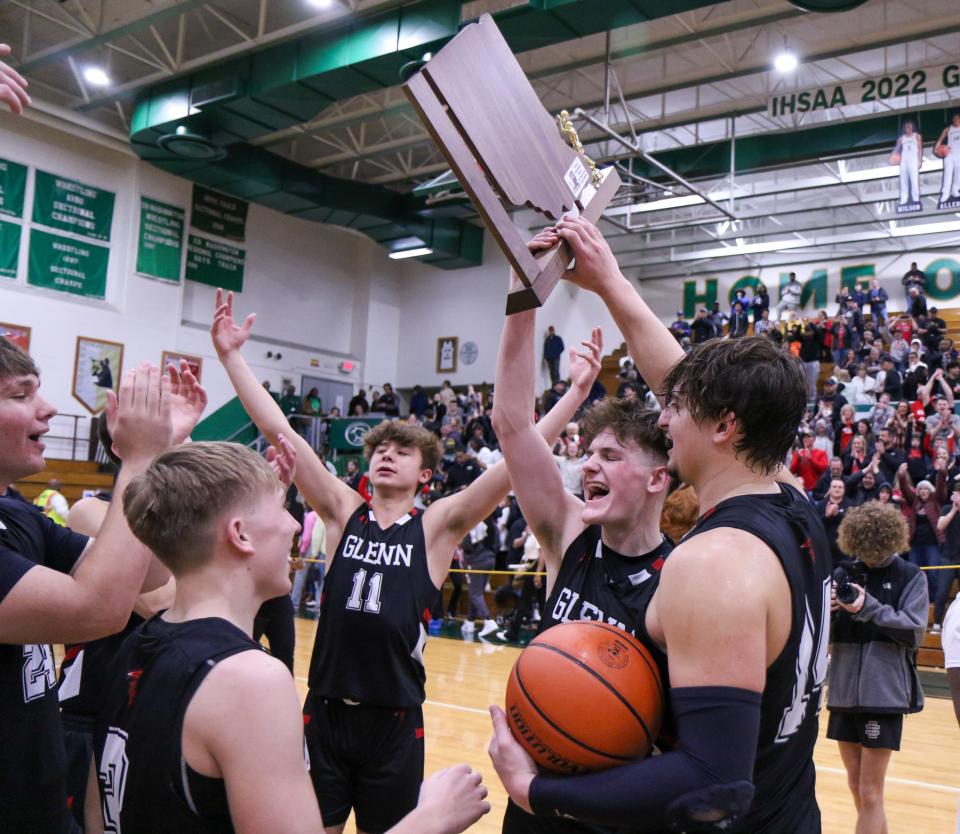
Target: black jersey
{"points": [[33, 796], [373, 613], [785, 801], [145, 783], [83, 674], [597, 583]]}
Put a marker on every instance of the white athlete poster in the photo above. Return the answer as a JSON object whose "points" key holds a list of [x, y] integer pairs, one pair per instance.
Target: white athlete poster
{"points": [[947, 148], [908, 154]]}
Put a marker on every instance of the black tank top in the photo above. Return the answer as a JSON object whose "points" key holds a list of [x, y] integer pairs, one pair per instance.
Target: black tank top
{"points": [[145, 783], [597, 583], [373, 614], [784, 776], [83, 675]]}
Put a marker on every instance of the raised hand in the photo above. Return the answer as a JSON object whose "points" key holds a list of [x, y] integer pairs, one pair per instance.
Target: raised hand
{"points": [[139, 418], [227, 335], [13, 86], [454, 799], [187, 400], [585, 366], [283, 460], [595, 267]]}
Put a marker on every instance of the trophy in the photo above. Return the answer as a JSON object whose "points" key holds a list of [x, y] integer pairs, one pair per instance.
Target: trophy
{"points": [[507, 151]]}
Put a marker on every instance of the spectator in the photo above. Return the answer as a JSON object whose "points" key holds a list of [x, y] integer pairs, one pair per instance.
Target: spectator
{"points": [[949, 526], [478, 554], [881, 413], [446, 396], [758, 304], [290, 402], [358, 404], [913, 279], [388, 402], [848, 362], [552, 351], [918, 303], [311, 404], [842, 339], [462, 472], [844, 429], [834, 473], [701, 329], [891, 455], [833, 508], [831, 393], [680, 328], [418, 402], [739, 322], [914, 375], [52, 503], [926, 502], [553, 396], [763, 326], [856, 458], [888, 380], [790, 296], [570, 460], [823, 436], [899, 348], [877, 298], [808, 463], [873, 678], [811, 343], [863, 486], [951, 377]]}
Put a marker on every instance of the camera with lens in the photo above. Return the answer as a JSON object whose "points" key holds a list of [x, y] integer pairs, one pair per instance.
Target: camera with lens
{"points": [[846, 578]]}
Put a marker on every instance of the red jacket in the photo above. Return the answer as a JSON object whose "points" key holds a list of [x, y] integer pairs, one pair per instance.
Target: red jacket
{"points": [[809, 465]]}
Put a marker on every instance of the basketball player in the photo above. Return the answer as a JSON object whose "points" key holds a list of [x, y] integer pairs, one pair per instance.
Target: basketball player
{"points": [[910, 149], [950, 137], [743, 605], [604, 554], [200, 730], [57, 586], [366, 674]]}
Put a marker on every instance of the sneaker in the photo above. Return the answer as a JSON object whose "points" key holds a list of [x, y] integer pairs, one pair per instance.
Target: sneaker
{"points": [[311, 603], [936, 628], [502, 635], [468, 627], [489, 627]]}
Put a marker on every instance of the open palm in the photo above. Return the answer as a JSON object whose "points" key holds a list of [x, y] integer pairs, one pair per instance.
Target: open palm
{"points": [[584, 367], [187, 400], [227, 335]]}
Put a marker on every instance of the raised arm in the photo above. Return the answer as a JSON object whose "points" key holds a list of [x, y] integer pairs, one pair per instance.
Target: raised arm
{"points": [[449, 519], [13, 86], [327, 494], [46, 606], [552, 513], [653, 349]]}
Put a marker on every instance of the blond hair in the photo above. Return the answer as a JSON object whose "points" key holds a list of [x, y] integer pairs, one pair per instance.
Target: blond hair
{"points": [[171, 505]]}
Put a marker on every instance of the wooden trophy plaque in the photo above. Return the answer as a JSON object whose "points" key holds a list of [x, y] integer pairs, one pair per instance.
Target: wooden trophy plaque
{"points": [[507, 151]]}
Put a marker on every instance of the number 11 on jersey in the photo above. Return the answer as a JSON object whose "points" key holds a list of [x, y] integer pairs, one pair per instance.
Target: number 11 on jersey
{"points": [[372, 604]]}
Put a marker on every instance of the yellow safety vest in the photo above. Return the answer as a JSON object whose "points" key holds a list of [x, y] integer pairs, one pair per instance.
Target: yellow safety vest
{"points": [[41, 501]]}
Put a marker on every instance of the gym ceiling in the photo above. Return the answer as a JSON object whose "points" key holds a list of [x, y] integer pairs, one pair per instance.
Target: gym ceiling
{"points": [[297, 105]]}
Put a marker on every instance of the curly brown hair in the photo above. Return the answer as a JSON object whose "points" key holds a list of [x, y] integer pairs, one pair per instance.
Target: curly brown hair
{"points": [[680, 512], [873, 532], [410, 437]]}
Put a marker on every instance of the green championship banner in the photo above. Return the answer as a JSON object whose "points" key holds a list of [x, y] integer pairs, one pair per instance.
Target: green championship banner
{"points": [[346, 435], [218, 214], [68, 265], [13, 184], [866, 91], [214, 263], [71, 206], [161, 240], [9, 249]]}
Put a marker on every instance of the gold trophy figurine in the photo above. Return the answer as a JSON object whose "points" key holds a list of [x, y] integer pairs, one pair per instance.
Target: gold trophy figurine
{"points": [[569, 133]]}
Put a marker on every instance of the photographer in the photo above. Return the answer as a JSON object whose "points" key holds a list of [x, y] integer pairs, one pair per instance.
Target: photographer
{"points": [[880, 606]]}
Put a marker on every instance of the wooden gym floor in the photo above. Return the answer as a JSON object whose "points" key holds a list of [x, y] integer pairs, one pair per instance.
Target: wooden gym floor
{"points": [[923, 783]]}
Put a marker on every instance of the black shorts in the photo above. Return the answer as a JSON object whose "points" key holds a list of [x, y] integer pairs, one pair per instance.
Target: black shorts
{"points": [[78, 741], [876, 730], [518, 821], [369, 759]]}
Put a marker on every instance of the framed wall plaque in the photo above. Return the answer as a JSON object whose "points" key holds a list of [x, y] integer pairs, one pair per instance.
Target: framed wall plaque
{"points": [[97, 366], [174, 357], [447, 348]]}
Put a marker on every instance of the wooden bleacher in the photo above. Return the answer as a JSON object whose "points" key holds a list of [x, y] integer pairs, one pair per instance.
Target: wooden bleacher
{"points": [[75, 476]]}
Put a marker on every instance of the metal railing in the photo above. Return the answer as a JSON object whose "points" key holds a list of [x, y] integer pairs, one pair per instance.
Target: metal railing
{"points": [[68, 436]]}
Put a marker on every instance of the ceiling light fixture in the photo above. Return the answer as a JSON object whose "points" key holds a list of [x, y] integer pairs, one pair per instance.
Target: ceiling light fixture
{"points": [[96, 76], [411, 253], [657, 205], [321, 4], [785, 61], [925, 229]]}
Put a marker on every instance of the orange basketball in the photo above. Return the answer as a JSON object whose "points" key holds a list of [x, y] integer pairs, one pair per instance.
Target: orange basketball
{"points": [[585, 696], [894, 159], [942, 151]]}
